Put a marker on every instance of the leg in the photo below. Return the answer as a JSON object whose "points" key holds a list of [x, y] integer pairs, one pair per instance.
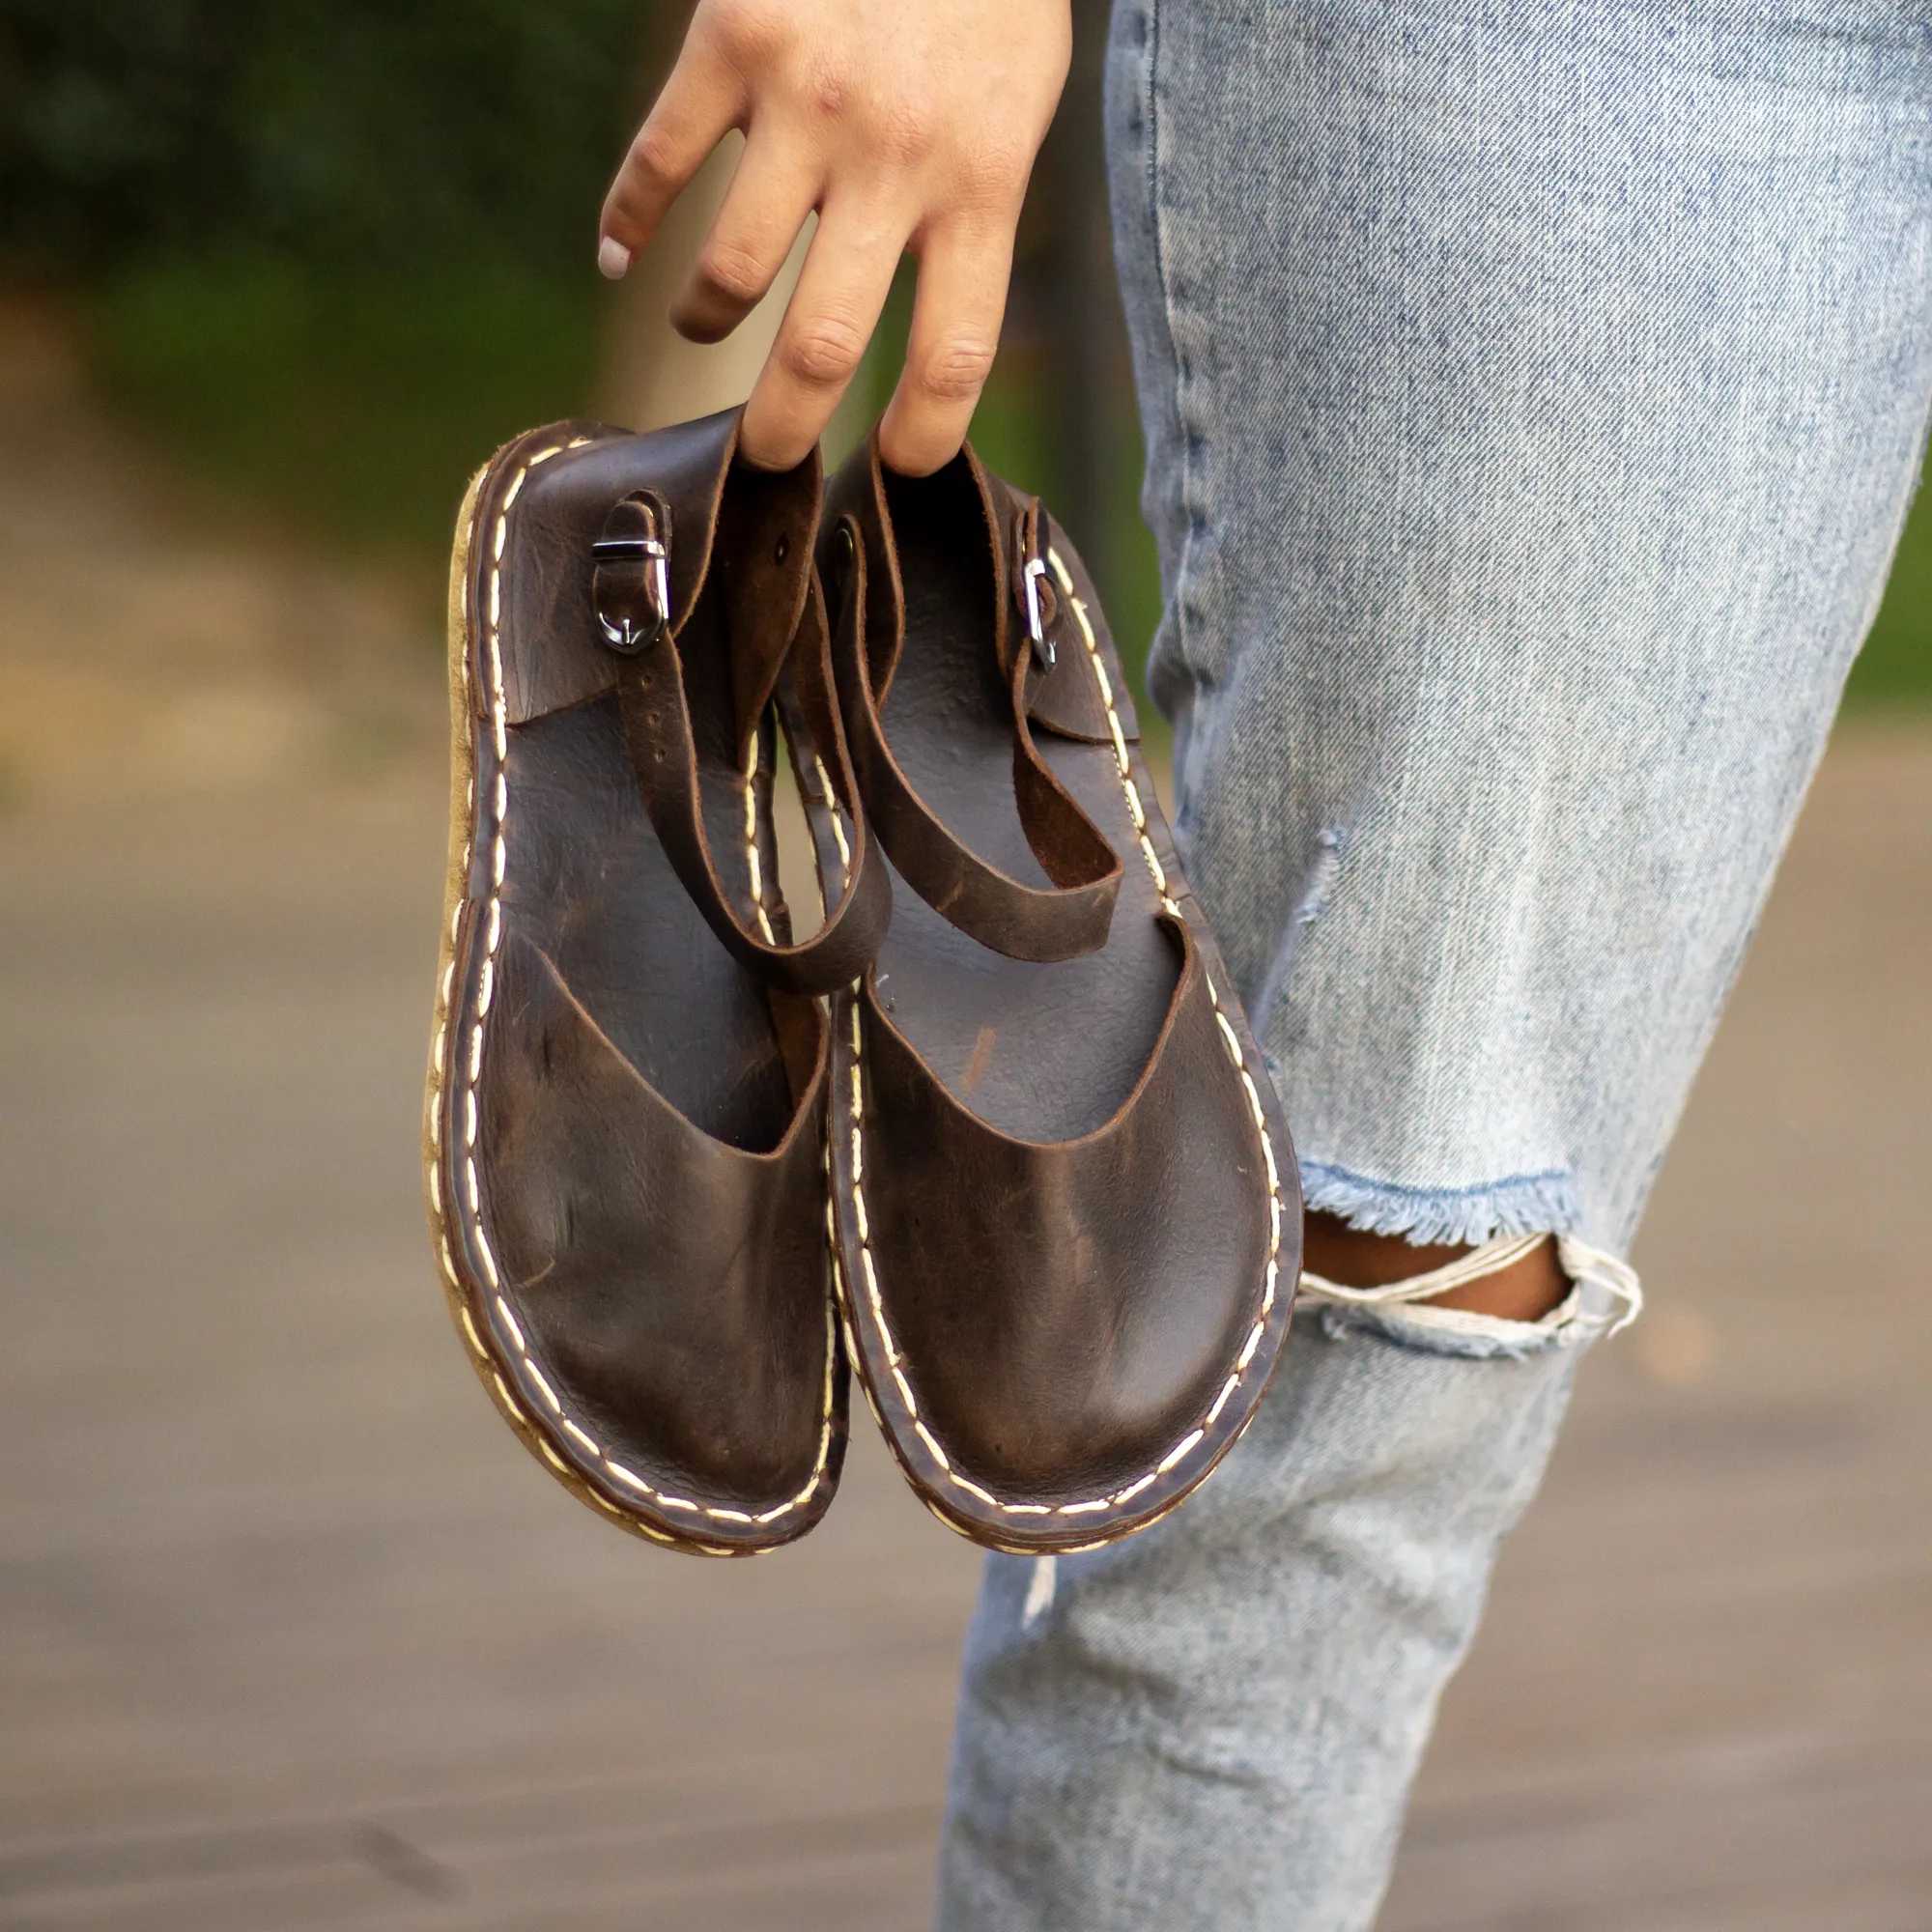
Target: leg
{"points": [[1533, 394], [1524, 1291], [1215, 1724]]}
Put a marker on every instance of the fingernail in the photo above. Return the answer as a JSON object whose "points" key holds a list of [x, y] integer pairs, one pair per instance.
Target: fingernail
{"points": [[614, 259]]}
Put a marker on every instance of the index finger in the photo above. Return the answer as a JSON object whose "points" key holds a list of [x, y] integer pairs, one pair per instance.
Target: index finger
{"points": [[697, 107]]}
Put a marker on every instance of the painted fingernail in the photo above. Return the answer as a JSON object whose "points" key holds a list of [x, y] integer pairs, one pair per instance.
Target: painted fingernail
{"points": [[614, 259]]}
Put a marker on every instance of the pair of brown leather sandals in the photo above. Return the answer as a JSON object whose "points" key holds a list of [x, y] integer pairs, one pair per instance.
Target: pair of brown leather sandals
{"points": [[996, 1131]]}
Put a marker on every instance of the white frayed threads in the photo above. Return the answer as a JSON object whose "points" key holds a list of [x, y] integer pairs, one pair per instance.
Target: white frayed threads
{"points": [[499, 806], [1039, 1589], [1250, 1348], [1572, 1319]]}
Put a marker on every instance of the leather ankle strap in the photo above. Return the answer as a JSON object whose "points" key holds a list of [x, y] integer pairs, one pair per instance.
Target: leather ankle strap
{"points": [[658, 730], [1064, 921]]}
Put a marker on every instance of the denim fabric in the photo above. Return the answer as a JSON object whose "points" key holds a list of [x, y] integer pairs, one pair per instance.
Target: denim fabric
{"points": [[1210, 1727], [1533, 392]]}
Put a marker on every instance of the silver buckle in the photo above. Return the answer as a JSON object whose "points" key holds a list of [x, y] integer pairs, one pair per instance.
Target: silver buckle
{"points": [[1045, 654], [651, 551]]}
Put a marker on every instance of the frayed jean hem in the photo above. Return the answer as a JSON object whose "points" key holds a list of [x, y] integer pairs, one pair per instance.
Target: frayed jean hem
{"points": [[1522, 1203]]}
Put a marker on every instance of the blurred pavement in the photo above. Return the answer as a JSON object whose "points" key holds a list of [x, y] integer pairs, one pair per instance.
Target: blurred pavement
{"points": [[148, 648], [293, 1635]]}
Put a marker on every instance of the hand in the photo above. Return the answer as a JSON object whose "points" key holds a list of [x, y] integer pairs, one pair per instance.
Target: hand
{"points": [[909, 126]]}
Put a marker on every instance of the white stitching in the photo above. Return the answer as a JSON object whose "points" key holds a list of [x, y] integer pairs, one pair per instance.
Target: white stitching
{"points": [[752, 864], [832, 809], [1193, 1439], [751, 837], [500, 804]]}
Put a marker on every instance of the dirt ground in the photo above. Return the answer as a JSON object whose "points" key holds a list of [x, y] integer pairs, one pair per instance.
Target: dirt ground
{"points": [[292, 1634]]}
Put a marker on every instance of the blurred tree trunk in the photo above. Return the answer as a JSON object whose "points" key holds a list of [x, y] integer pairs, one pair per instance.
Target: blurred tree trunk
{"points": [[1069, 296]]}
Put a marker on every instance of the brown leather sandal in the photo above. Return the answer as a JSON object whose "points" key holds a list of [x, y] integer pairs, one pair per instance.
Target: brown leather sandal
{"points": [[1067, 1211], [624, 1141]]}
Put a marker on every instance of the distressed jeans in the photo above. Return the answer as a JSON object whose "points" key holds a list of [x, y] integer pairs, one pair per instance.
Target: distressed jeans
{"points": [[1533, 392]]}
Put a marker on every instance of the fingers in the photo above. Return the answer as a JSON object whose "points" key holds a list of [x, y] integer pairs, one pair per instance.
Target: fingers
{"points": [[955, 333], [773, 190], [699, 104], [847, 275]]}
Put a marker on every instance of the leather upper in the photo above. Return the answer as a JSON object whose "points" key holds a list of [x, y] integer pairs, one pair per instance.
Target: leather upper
{"points": [[630, 1105], [1039, 1290], [1066, 1200]]}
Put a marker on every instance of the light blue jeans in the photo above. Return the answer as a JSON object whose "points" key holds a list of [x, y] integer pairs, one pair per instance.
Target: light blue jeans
{"points": [[1533, 390]]}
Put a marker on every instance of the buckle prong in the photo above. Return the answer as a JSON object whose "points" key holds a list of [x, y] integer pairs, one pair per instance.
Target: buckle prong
{"points": [[624, 635]]}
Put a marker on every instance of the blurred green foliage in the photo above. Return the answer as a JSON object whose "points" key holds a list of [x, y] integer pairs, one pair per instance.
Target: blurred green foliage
{"points": [[356, 405], [1896, 665], [356, 133], [332, 253]]}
